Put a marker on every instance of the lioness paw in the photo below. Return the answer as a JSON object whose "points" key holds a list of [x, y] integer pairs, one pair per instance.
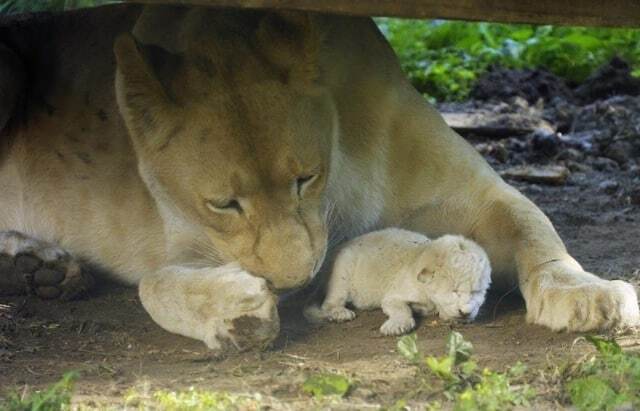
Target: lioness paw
{"points": [[597, 305], [246, 314], [28, 265], [398, 326]]}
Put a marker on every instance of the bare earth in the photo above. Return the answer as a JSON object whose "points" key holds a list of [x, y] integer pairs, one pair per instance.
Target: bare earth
{"points": [[114, 344]]}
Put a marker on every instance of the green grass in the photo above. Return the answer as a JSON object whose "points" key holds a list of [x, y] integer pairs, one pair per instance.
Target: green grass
{"points": [[443, 59], [55, 398], [459, 379], [192, 400], [606, 380]]}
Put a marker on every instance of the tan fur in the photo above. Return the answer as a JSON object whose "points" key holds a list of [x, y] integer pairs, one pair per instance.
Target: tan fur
{"points": [[213, 105]]}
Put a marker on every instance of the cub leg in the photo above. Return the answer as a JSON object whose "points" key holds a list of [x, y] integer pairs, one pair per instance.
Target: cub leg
{"points": [[31, 265], [400, 318], [424, 310], [225, 307], [333, 308]]}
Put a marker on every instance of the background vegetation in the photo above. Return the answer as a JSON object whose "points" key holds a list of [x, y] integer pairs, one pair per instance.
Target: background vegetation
{"points": [[444, 58]]}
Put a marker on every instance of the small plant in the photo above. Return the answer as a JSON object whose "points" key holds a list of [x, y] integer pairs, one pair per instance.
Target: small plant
{"points": [[460, 380], [322, 385], [55, 398], [191, 400], [608, 380]]}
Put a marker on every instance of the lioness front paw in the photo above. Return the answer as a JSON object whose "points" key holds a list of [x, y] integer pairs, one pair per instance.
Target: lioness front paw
{"points": [[589, 306], [398, 326], [249, 317], [30, 265]]}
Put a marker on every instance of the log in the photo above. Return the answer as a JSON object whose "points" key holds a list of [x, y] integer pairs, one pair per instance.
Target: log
{"points": [[561, 12], [496, 125]]}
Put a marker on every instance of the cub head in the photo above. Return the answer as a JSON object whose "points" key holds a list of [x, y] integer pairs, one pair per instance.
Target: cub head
{"points": [[233, 136], [456, 274]]}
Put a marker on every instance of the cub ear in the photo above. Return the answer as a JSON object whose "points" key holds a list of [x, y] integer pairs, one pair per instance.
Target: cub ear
{"points": [[291, 42], [425, 275], [142, 97]]}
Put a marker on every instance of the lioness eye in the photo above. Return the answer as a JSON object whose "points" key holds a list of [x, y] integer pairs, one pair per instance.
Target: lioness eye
{"points": [[225, 206], [303, 182]]}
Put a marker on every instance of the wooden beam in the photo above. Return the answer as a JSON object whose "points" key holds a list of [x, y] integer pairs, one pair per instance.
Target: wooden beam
{"points": [[563, 12]]}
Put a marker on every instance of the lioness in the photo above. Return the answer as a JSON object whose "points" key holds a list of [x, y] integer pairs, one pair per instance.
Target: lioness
{"points": [[206, 175]]}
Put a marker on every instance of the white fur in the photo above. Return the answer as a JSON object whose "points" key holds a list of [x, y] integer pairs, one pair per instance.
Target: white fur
{"points": [[399, 270]]}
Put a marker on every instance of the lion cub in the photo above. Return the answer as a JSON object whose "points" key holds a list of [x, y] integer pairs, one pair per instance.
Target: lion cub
{"points": [[399, 270]]}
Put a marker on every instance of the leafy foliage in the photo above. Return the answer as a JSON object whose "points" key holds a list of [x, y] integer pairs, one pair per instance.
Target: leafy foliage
{"points": [[322, 385], [461, 380], [55, 398], [444, 58], [607, 380]]}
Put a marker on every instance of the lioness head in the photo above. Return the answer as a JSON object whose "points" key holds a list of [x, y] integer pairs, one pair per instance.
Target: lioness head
{"points": [[234, 135]]}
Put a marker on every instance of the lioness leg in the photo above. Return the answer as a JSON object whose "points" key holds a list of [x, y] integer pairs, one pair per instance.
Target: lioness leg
{"points": [[445, 186], [30, 265], [557, 291], [224, 307]]}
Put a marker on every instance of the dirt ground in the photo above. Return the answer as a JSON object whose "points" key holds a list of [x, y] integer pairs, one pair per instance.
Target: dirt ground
{"points": [[110, 339]]}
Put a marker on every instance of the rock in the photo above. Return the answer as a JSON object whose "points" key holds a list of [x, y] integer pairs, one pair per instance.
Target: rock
{"points": [[496, 125], [609, 186], [620, 151], [515, 145], [545, 142], [577, 167], [584, 141], [552, 175], [634, 197], [605, 164], [570, 154]]}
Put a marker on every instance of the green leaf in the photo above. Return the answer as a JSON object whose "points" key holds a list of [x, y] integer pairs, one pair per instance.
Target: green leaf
{"points": [[468, 368], [459, 350], [408, 348], [604, 346], [321, 385], [517, 370], [593, 393], [441, 367]]}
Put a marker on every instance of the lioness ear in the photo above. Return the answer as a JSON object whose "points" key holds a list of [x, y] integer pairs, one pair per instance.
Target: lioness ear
{"points": [[142, 99], [291, 42]]}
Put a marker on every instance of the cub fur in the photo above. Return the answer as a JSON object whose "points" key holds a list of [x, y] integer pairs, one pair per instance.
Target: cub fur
{"points": [[399, 270]]}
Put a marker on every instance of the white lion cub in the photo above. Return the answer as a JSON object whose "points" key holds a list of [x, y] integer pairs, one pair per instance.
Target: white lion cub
{"points": [[399, 270]]}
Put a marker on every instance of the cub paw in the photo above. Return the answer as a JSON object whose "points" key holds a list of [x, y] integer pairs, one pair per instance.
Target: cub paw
{"points": [[28, 265], [397, 326], [340, 315], [597, 305]]}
